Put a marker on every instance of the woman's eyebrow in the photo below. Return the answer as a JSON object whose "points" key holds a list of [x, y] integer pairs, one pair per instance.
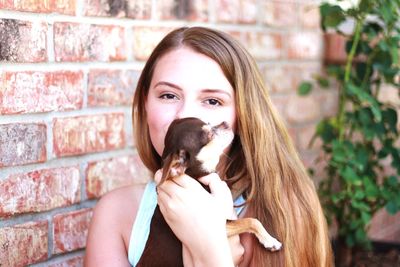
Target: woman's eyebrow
{"points": [[218, 91], [167, 84]]}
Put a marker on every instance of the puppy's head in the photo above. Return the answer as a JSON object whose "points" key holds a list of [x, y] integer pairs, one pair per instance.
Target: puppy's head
{"points": [[193, 147]]}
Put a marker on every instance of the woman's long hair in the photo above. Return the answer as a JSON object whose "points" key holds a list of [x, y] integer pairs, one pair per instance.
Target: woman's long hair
{"points": [[264, 164]]}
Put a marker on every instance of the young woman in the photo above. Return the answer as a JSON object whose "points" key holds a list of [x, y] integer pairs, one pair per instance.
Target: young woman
{"points": [[204, 73]]}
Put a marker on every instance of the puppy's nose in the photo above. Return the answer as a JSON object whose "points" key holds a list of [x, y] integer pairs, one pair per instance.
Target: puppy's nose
{"points": [[222, 126]]}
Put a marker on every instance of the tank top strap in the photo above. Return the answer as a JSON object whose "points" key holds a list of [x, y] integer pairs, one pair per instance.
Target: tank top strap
{"points": [[141, 226], [239, 201]]}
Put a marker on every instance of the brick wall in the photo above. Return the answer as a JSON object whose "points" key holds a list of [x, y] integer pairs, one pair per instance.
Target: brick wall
{"points": [[68, 69]]}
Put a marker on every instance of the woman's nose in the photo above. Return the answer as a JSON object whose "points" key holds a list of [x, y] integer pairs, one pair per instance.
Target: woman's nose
{"points": [[187, 110]]}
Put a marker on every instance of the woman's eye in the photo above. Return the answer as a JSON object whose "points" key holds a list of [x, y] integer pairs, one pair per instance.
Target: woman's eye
{"points": [[168, 96], [213, 102]]}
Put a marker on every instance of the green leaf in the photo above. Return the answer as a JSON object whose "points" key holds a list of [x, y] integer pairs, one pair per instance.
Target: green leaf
{"points": [[350, 240], [360, 205], [354, 224], [326, 131], [393, 181], [366, 98], [390, 117], [383, 45], [359, 195], [391, 207], [332, 15], [339, 156], [361, 235], [361, 70], [386, 13], [372, 29], [336, 71], [322, 81], [350, 176], [366, 217], [304, 88], [336, 198], [365, 116], [365, 6], [361, 158], [382, 60]]}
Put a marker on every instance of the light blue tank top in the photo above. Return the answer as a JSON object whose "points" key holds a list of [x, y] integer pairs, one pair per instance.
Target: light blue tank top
{"points": [[141, 226]]}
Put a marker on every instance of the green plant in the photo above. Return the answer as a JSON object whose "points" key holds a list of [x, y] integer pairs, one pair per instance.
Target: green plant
{"points": [[363, 133]]}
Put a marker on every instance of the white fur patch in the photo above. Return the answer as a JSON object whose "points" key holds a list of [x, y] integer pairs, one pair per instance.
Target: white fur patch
{"points": [[209, 155]]}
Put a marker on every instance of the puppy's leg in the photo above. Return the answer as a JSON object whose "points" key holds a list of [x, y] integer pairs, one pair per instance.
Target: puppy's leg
{"points": [[254, 226]]}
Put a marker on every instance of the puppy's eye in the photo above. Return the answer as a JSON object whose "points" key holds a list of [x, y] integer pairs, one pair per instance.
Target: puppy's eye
{"points": [[213, 102]]}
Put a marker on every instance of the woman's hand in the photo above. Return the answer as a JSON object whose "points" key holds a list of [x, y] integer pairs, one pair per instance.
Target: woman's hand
{"points": [[198, 218]]}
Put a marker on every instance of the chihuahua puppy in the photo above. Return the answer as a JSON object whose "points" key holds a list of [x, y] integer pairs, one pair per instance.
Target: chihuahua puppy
{"points": [[193, 147]]}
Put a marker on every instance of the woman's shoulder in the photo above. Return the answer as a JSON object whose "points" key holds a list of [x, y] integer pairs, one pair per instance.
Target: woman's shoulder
{"points": [[118, 208], [126, 196], [115, 210]]}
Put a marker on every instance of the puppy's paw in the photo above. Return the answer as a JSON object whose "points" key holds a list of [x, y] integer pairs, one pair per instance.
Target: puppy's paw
{"points": [[271, 244]]}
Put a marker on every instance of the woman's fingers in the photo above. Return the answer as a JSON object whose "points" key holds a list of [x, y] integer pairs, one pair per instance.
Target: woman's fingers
{"points": [[216, 185], [237, 249], [157, 176], [220, 190]]}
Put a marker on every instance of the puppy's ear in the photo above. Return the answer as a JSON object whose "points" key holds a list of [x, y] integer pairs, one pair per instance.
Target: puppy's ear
{"points": [[174, 165]]}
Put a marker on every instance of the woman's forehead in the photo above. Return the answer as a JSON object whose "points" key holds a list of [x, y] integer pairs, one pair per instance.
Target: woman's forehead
{"points": [[185, 67]]}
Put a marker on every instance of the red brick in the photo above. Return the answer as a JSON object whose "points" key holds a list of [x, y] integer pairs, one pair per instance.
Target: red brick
{"points": [[87, 134], [280, 102], [59, 6], [280, 14], [263, 46], [23, 244], [22, 143], [76, 261], [309, 15], [312, 161], [183, 10], [307, 72], [39, 190], [335, 48], [111, 87], [305, 135], [103, 176], [330, 102], [146, 39], [70, 230], [30, 92], [237, 11], [86, 42], [385, 227], [280, 79], [63, 6], [292, 134], [305, 45], [302, 109], [104, 8], [139, 9], [135, 9], [22, 41], [389, 94], [227, 11]]}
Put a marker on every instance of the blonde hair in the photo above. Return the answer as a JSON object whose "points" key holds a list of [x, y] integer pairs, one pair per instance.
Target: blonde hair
{"points": [[264, 164]]}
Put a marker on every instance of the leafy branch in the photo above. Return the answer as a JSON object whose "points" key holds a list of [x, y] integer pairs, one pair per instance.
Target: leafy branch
{"points": [[362, 136]]}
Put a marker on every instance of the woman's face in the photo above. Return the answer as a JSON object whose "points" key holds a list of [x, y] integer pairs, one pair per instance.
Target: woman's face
{"points": [[187, 84]]}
